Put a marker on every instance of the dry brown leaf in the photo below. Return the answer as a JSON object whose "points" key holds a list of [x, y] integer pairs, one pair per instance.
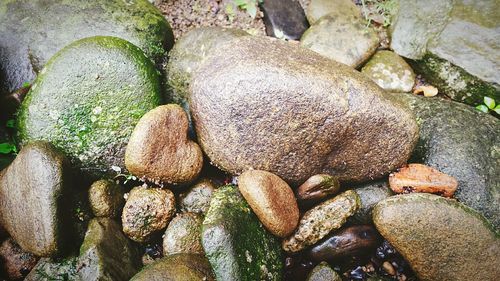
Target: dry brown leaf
{"points": [[427, 90]]}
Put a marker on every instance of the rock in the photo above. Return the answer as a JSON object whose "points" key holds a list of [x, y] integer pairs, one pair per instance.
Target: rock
{"points": [[284, 19], [183, 235], [106, 254], [369, 194], [343, 38], [33, 194], [324, 218], [323, 272], [179, 267], [320, 8], [316, 188], [48, 270], [455, 44], [197, 198], [390, 72], [159, 149], [271, 199], [87, 100], [255, 110], [189, 52], [421, 178], [15, 263], [10, 103], [147, 211], [34, 30], [347, 242], [463, 143], [235, 242], [106, 198], [431, 231]]}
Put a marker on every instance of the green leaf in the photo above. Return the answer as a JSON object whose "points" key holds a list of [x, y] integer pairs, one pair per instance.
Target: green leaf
{"points": [[10, 123], [482, 108], [241, 3], [497, 109], [252, 10], [26, 84], [490, 103], [7, 148]]}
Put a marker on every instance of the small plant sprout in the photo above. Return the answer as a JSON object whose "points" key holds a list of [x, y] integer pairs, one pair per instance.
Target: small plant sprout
{"points": [[9, 146], [488, 105], [120, 175], [250, 6]]}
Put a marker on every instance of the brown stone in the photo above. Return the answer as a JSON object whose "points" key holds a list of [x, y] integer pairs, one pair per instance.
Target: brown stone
{"points": [[197, 198], [159, 149], [14, 262], [422, 178], [271, 199], [183, 235], [318, 187], [106, 198]]}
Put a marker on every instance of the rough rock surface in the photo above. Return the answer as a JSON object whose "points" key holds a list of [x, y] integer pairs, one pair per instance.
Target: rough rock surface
{"points": [[33, 194], [179, 267], [48, 270], [183, 235], [431, 231], [106, 198], [323, 272], [197, 198], [259, 103], [87, 100], [390, 71], [369, 194], [34, 30], [319, 8], [15, 263]]}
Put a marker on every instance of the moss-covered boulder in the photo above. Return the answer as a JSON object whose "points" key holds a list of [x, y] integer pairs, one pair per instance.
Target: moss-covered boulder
{"points": [[235, 242], [461, 142], [34, 30], [49, 270], [178, 267], [87, 100], [440, 238]]}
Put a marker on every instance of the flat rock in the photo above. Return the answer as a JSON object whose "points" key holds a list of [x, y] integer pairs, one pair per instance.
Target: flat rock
{"points": [[271, 199], [106, 198], [48, 270], [431, 231], [34, 30], [390, 71], [260, 103], [343, 38], [106, 254], [87, 100], [183, 235], [319, 8], [284, 19], [33, 194], [461, 142], [235, 242], [179, 267]]}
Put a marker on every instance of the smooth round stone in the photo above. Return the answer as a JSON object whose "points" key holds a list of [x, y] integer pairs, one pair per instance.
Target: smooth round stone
{"points": [[147, 211], [179, 267], [183, 235], [159, 149], [343, 38], [15, 263], [271, 199], [323, 272], [440, 238], [316, 188], [316, 223], [197, 198], [390, 71], [369, 194], [320, 8], [106, 198], [87, 100], [347, 242]]}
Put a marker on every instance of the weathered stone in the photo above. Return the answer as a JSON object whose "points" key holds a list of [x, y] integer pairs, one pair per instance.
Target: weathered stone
{"points": [[235, 242], [326, 217], [147, 211], [461, 142], [390, 71], [49, 270], [369, 194], [106, 254], [316, 188], [159, 149], [33, 194], [284, 19], [343, 38], [106, 198], [15, 263], [34, 30], [11, 102], [323, 272], [295, 117], [431, 231], [271, 199], [87, 100], [320, 8], [347, 242], [197, 198], [179, 267], [183, 235]]}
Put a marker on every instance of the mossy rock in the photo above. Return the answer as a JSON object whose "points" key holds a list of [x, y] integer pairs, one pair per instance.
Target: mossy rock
{"points": [[34, 30], [49, 270], [235, 242], [178, 267], [87, 100]]}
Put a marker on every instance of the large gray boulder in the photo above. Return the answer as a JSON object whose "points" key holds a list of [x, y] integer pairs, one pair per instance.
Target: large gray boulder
{"points": [[260, 103], [34, 30]]}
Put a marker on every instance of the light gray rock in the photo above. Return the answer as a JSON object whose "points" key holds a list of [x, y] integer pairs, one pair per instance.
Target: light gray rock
{"points": [[390, 71]]}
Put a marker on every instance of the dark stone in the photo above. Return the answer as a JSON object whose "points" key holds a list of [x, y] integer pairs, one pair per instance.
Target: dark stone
{"points": [[370, 194], [15, 263], [284, 19]]}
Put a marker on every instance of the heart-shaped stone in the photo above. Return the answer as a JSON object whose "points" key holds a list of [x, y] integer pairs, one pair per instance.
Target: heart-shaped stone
{"points": [[159, 149]]}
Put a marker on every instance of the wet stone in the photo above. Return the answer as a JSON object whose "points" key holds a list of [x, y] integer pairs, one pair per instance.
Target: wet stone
{"points": [[316, 188], [284, 19]]}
